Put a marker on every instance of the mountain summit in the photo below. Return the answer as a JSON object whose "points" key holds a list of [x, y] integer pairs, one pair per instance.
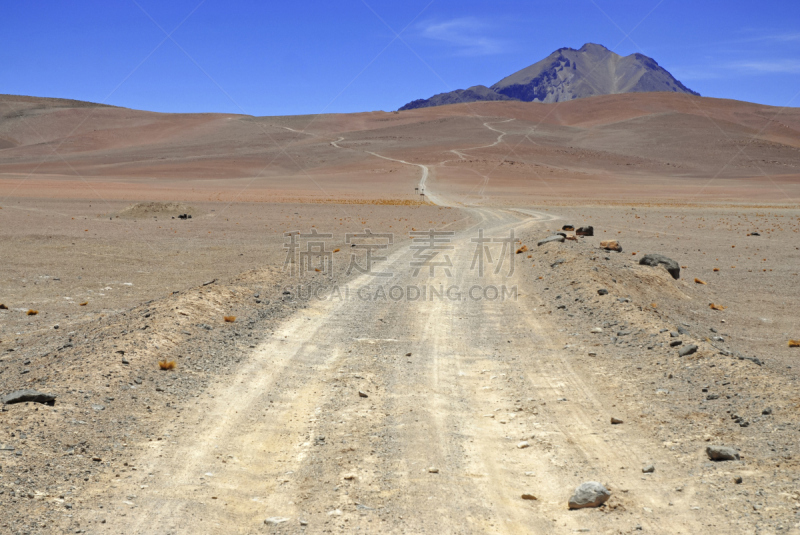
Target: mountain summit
{"points": [[567, 74]]}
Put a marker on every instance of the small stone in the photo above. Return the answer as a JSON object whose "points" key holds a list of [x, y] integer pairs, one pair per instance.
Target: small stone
{"points": [[654, 260], [675, 343], [304, 522], [433, 470], [602, 291], [649, 469], [522, 445], [589, 494], [585, 231], [722, 453], [611, 245], [553, 238], [737, 480], [597, 330], [688, 350], [767, 411], [275, 520], [22, 396], [125, 361], [362, 394], [529, 497], [616, 421]]}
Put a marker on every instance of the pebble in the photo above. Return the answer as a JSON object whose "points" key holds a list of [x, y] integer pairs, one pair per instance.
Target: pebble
{"points": [[362, 394], [529, 497], [615, 421], [722, 453], [649, 469], [433, 470], [522, 445], [688, 350]]}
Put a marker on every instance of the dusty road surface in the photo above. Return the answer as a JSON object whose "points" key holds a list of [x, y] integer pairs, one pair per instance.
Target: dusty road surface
{"points": [[377, 415]]}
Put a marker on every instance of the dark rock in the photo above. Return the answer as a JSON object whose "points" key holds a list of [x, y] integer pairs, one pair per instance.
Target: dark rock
{"points": [[767, 411], [674, 334], [585, 231], [615, 421], [657, 259], [362, 394], [712, 397], [755, 234], [688, 350], [649, 469], [675, 343], [589, 494], [683, 330], [602, 291], [568, 227], [722, 453], [21, 396], [557, 262], [737, 480], [553, 238]]}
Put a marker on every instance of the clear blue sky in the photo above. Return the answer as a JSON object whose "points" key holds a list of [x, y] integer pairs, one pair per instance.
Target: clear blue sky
{"points": [[295, 57]]}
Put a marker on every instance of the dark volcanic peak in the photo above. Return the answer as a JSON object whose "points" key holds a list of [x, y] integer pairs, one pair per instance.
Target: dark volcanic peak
{"points": [[567, 74]]}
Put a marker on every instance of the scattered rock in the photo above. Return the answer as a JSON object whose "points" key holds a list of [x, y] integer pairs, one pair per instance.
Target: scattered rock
{"points": [[522, 249], [275, 520], [767, 411], [589, 494], [602, 291], [557, 262], [585, 231], [554, 237], [722, 453], [649, 469], [522, 445], [597, 330], [737, 480], [568, 227], [529, 497], [755, 234], [611, 245], [433, 470], [21, 396], [615, 421], [688, 350], [656, 259], [362, 394], [675, 343]]}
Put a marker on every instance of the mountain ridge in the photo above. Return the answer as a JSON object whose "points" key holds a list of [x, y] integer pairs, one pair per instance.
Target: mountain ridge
{"points": [[567, 74]]}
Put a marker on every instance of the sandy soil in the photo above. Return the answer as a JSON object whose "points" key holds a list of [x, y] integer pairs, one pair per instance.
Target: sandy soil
{"points": [[356, 412]]}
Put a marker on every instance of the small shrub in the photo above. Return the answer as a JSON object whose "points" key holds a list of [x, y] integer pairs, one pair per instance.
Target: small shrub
{"points": [[166, 364], [230, 319], [32, 312]]}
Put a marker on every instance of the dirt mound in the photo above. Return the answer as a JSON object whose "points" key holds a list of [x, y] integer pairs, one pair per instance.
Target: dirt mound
{"points": [[155, 209]]}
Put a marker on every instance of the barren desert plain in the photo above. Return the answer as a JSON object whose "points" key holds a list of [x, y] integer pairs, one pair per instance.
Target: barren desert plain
{"points": [[467, 389]]}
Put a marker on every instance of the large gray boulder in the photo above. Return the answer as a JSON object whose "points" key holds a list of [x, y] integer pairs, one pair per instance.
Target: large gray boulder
{"points": [[589, 494], [21, 396], [661, 260]]}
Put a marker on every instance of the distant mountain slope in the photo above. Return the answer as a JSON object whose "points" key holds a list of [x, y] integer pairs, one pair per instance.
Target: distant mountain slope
{"points": [[567, 74]]}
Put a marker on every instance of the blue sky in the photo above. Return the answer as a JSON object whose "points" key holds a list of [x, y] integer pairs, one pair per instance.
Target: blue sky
{"points": [[280, 58]]}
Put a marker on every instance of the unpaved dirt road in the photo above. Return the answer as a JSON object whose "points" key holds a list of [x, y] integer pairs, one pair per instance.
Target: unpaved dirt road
{"points": [[454, 387]]}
